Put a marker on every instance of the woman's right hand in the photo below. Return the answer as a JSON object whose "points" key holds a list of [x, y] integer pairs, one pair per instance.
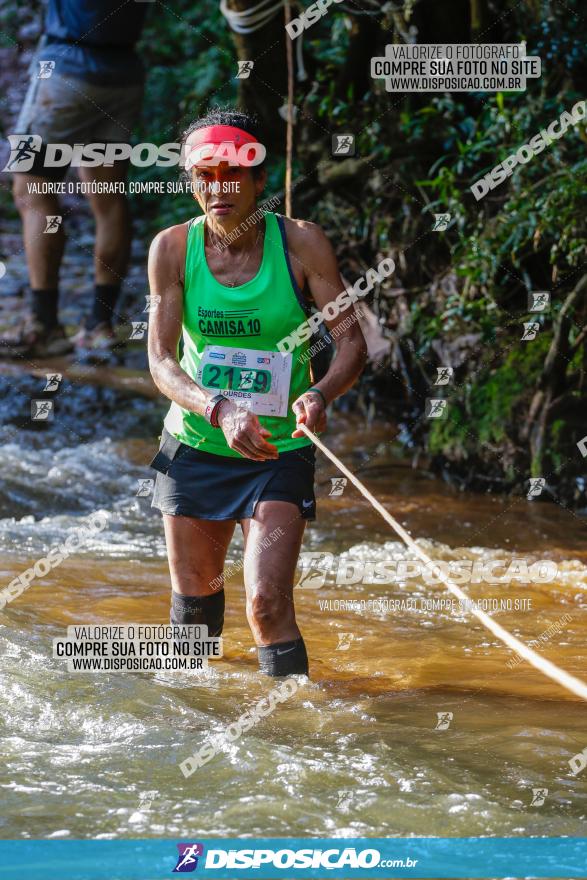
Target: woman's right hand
{"points": [[244, 432]]}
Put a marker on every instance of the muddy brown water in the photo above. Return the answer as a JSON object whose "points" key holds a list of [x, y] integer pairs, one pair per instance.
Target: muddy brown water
{"points": [[359, 750]]}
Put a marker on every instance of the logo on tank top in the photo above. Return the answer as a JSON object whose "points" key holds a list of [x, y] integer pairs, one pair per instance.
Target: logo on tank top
{"points": [[224, 322]]}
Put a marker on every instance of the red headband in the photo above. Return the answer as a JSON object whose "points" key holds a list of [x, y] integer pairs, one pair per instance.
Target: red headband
{"points": [[215, 135]]}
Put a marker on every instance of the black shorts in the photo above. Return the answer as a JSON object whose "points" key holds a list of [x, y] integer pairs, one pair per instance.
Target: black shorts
{"points": [[208, 486]]}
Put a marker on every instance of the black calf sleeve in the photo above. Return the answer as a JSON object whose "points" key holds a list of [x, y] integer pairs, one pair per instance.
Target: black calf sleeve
{"points": [[105, 296], [44, 306], [208, 610], [284, 658]]}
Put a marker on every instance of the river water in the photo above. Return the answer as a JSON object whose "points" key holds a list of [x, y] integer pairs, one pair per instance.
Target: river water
{"points": [[360, 749]]}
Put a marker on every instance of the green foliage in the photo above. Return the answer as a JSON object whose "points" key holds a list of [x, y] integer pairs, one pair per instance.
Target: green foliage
{"points": [[539, 210], [489, 410], [187, 50], [527, 234]]}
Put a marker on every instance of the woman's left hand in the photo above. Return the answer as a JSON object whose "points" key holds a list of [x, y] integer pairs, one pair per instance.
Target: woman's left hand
{"points": [[310, 411]]}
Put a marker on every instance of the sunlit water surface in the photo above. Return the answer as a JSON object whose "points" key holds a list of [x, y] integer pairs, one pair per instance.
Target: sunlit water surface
{"points": [[356, 751]]}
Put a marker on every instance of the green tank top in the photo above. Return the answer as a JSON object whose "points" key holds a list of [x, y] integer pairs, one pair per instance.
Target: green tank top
{"points": [[230, 337]]}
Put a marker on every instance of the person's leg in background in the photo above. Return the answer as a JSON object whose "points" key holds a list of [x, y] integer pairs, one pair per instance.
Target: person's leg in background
{"points": [[41, 334], [44, 251], [111, 253], [116, 112], [67, 109]]}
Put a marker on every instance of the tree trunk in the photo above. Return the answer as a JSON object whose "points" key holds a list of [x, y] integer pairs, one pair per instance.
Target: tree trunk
{"points": [[552, 380], [356, 71], [478, 17], [446, 22]]}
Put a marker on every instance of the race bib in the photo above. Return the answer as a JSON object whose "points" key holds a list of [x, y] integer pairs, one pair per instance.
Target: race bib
{"points": [[257, 380]]}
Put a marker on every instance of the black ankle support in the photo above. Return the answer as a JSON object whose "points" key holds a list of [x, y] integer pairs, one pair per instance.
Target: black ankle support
{"points": [[284, 658], [105, 297], [44, 306], [208, 610]]}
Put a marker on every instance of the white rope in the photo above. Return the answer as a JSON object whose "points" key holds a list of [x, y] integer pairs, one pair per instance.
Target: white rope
{"points": [[247, 21], [558, 675]]}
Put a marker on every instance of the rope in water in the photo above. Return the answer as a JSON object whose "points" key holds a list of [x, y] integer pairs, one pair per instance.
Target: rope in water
{"points": [[546, 667]]}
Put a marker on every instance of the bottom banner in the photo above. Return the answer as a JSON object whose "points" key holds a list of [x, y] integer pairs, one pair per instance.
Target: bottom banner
{"points": [[296, 857]]}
